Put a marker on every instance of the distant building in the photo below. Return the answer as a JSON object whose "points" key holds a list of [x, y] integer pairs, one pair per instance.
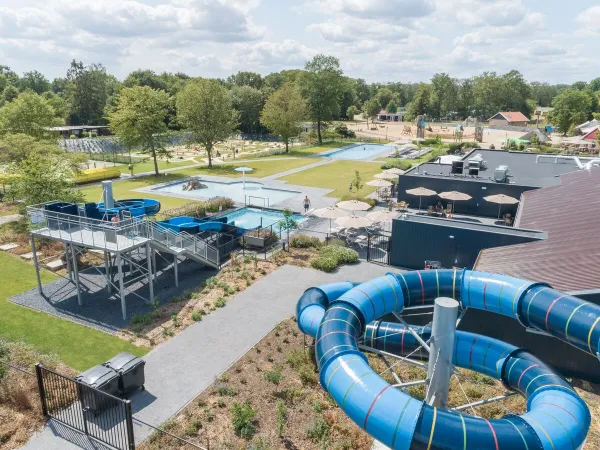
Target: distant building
{"points": [[385, 116], [542, 112], [78, 130], [515, 119], [541, 137], [592, 135]]}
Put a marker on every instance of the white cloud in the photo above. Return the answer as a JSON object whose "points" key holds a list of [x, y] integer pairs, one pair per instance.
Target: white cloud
{"points": [[386, 10], [277, 55], [350, 29], [589, 20]]}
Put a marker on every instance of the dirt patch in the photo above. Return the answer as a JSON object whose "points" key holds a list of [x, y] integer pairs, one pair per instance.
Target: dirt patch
{"points": [[276, 380], [20, 409], [153, 328]]}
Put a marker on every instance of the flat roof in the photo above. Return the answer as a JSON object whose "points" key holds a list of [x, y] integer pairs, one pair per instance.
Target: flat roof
{"points": [[569, 259], [525, 170]]}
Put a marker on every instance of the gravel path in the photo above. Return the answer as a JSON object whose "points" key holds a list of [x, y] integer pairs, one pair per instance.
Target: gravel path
{"points": [[180, 369]]}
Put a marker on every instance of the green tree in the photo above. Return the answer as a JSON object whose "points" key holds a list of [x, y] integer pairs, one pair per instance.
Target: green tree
{"points": [[384, 96], [9, 94], [392, 106], [283, 112], [35, 81], [351, 112], [248, 102], [445, 93], [30, 114], [362, 91], [14, 148], [357, 181], [252, 79], [321, 85], [61, 109], [204, 108], [145, 78], [87, 93], [371, 108], [571, 107], [288, 223], [138, 120], [421, 102]]}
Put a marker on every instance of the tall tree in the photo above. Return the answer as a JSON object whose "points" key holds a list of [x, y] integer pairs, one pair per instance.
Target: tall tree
{"points": [[30, 114], [204, 108], [384, 96], [371, 108], [362, 91], [283, 112], [571, 107], [421, 103], [351, 112], [445, 92], [252, 79], [87, 93], [35, 81], [144, 78], [248, 102], [139, 120], [320, 85]]}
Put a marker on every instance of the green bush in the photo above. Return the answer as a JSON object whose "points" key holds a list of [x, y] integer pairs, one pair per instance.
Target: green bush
{"points": [[221, 302], [370, 201], [226, 391], [342, 255], [396, 164], [274, 376], [318, 431], [281, 416], [324, 264], [242, 418], [336, 241], [429, 141], [197, 316], [144, 319], [304, 241], [471, 145]]}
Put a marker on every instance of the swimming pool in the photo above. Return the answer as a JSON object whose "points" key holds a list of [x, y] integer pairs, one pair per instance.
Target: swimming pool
{"points": [[250, 218], [359, 151], [234, 190]]}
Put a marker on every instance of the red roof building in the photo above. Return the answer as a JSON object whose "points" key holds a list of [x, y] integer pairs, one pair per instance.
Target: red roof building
{"points": [[592, 135], [509, 118], [569, 259]]}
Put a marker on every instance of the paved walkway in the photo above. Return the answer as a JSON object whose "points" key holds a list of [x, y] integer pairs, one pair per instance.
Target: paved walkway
{"points": [[180, 369]]}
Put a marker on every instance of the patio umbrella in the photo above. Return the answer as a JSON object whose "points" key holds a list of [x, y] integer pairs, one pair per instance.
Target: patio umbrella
{"points": [[330, 213], [379, 183], [501, 199], [386, 176], [421, 192], [354, 221], [244, 170], [354, 205], [395, 171], [455, 196], [382, 216]]}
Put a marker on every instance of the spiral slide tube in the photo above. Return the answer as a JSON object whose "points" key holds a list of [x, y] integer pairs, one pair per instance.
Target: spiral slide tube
{"points": [[339, 315]]}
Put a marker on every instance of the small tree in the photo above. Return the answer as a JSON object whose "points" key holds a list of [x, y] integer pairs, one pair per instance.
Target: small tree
{"points": [[357, 181], [283, 111], [371, 109], [29, 114], [138, 120], [351, 112], [204, 108], [288, 223]]}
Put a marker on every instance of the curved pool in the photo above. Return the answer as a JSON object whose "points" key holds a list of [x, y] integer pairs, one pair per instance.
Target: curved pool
{"points": [[235, 190]]}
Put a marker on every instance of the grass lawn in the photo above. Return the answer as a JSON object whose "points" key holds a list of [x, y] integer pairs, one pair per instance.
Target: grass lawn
{"points": [[147, 166], [77, 346], [337, 176], [124, 189]]}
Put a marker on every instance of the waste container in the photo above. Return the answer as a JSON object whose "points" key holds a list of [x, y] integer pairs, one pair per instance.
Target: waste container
{"points": [[99, 378], [131, 372]]}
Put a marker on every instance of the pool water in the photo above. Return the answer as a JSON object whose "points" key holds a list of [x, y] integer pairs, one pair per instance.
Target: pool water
{"points": [[250, 218], [234, 190], [360, 151]]}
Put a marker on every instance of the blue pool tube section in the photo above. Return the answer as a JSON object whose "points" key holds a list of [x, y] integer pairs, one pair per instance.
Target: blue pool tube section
{"points": [[341, 315]]}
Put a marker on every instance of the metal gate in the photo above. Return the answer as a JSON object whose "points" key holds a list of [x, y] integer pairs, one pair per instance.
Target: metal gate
{"points": [[99, 415], [378, 248]]}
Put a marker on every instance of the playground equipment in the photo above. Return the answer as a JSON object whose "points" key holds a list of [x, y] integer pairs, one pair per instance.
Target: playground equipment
{"points": [[342, 317]]}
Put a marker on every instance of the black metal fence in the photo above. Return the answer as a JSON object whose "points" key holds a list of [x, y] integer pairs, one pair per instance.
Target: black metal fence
{"points": [[99, 415], [378, 248]]}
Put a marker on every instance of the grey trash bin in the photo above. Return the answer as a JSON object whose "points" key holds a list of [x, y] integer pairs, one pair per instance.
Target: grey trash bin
{"points": [[99, 378], [131, 372]]}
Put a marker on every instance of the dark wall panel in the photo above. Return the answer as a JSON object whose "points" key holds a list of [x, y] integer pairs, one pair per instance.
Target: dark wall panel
{"points": [[478, 190], [415, 242]]}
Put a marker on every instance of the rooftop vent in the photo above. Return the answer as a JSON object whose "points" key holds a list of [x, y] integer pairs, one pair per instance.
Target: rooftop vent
{"points": [[501, 174]]}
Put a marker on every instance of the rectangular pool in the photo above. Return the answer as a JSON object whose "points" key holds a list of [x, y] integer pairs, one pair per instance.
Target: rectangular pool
{"points": [[235, 190], [360, 151], [250, 218]]}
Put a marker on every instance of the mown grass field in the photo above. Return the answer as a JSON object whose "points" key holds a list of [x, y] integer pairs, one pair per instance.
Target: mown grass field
{"points": [[77, 346]]}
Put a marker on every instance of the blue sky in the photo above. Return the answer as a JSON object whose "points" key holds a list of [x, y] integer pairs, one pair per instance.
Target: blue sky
{"points": [[379, 40]]}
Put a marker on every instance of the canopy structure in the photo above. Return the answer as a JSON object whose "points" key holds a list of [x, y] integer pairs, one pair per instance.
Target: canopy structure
{"points": [[354, 221], [244, 170], [501, 199], [421, 192], [331, 212], [354, 205]]}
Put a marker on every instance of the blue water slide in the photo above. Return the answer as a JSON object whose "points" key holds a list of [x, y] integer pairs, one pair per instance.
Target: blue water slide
{"points": [[340, 316], [136, 206]]}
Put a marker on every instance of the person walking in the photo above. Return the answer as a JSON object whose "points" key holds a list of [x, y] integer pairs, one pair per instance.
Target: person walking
{"points": [[306, 204]]}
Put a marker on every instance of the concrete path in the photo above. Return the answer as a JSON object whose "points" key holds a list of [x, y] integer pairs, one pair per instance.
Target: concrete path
{"points": [[298, 169], [10, 218], [180, 369]]}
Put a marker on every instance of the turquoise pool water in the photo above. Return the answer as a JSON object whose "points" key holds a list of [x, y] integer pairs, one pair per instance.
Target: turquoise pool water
{"points": [[249, 218], [360, 151], [234, 190]]}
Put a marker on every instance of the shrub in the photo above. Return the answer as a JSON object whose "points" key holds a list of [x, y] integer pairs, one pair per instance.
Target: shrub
{"points": [[226, 391], [193, 428], [304, 241], [144, 319], [197, 316], [214, 204], [307, 375], [396, 164], [342, 255], [281, 416], [455, 148], [318, 431], [274, 376], [297, 357], [242, 419], [324, 264], [338, 242], [221, 302]]}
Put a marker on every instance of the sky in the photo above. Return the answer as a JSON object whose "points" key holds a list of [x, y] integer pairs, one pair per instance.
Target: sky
{"points": [[379, 40]]}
